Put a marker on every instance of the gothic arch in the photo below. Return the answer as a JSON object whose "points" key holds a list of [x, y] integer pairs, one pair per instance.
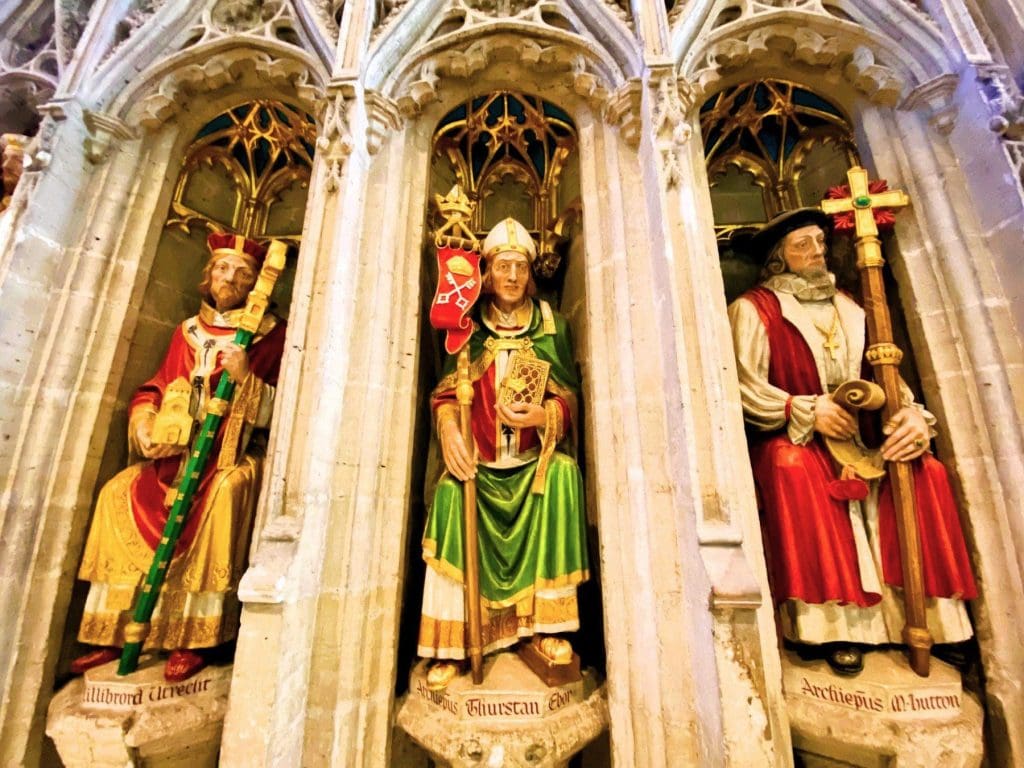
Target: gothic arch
{"points": [[840, 46], [453, 40], [172, 54], [213, 69]]}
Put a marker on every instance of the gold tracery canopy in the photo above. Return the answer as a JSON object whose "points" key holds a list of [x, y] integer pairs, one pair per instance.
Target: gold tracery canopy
{"points": [[247, 171], [508, 151], [771, 145]]}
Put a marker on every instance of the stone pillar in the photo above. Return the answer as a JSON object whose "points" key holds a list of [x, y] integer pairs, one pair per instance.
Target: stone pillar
{"points": [[971, 366], [722, 494], [314, 671], [655, 585], [67, 303]]}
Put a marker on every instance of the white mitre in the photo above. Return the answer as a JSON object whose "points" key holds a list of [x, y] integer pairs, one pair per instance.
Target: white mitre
{"points": [[509, 235]]}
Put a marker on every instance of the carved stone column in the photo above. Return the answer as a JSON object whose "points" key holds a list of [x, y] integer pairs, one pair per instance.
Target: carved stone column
{"points": [[314, 670], [724, 516]]}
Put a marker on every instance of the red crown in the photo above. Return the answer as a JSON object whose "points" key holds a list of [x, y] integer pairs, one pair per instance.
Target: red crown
{"points": [[240, 246]]}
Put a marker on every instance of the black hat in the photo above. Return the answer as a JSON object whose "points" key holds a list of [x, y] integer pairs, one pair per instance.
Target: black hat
{"points": [[771, 233]]}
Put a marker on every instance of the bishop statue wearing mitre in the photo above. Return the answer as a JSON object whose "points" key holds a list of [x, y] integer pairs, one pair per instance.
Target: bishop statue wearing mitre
{"points": [[529, 492], [197, 609]]}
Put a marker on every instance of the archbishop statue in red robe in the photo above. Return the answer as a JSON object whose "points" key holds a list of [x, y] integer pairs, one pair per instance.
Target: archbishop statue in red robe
{"points": [[198, 606], [831, 547]]}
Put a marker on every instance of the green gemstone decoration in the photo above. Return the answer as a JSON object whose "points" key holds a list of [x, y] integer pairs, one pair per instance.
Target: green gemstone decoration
{"points": [[862, 202]]}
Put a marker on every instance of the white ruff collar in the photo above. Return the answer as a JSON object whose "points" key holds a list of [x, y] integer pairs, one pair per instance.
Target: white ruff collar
{"points": [[802, 288]]}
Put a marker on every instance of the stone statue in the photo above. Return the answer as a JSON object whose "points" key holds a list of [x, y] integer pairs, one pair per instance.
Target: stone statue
{"points": [[198, 608], [532, 527], [830, 538]]}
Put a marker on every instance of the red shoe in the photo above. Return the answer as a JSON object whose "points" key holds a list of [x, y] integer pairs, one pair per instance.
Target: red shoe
{"points": [[94, 658], [182, 664]]}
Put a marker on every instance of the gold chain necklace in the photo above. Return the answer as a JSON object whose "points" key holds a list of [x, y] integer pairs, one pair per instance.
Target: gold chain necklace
{"points": [[830, 344]]}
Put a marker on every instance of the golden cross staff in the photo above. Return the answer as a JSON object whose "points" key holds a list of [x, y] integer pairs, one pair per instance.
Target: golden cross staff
{"points": [[885, 357]]}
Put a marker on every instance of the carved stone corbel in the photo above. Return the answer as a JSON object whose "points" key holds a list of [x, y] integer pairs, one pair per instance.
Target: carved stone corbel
{"points": [[935, 98], [382, 117], [624, 110], [42, 152], [104, 131]]}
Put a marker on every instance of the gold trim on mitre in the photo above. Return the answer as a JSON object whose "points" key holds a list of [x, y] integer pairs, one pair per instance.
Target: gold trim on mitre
{"points": [[237, 250], [505, 237]]}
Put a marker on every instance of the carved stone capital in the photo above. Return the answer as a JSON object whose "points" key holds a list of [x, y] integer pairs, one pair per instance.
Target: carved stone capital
{"points": [[104, 130], [935, 97]]}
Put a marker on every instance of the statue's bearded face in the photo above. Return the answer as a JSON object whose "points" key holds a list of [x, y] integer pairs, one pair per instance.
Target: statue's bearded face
{"points": [[510, 276], [231, 279], [804, 251]]}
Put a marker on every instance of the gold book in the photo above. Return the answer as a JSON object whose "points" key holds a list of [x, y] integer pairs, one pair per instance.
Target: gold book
{"points": [[525, 380], [173, 422]]}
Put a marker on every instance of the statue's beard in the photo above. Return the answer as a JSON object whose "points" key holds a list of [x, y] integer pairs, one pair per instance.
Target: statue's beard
{"points": [[816, 276]]}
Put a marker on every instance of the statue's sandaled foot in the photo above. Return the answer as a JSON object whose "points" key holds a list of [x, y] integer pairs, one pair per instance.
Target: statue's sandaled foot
{"points": [[844, 658], [440, 674], [558, 649], [182, 664], [94, 658]]}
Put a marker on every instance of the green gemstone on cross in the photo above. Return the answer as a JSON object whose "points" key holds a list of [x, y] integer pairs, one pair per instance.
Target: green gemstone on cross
{"points": [[863, 201]]}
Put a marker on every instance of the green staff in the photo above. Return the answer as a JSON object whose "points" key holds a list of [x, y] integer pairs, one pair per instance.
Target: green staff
{"points": [[256, 306]]}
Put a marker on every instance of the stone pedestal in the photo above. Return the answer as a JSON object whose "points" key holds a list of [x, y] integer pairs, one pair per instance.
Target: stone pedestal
{"points": [[101, 720], [511, 720], [886, 716]]}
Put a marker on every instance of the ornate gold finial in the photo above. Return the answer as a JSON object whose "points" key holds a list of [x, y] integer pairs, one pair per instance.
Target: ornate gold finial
{"points": [[456, 209]]}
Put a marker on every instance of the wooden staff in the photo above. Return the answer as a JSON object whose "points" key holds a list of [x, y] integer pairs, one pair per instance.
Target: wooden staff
{"points": [[885, 357], [464, 395], [135, 632], [455, 232]]}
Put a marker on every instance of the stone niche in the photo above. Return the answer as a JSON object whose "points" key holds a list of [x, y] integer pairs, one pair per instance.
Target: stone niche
{"points": [[512, 719]]}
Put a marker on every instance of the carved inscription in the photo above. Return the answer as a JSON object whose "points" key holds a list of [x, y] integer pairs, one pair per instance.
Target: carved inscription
{"points": [[120, 696], [470, 705], [879, 699]]}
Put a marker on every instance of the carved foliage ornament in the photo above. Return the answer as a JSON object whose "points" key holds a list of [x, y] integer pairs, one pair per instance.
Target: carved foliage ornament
{"points": [[335, 140]]}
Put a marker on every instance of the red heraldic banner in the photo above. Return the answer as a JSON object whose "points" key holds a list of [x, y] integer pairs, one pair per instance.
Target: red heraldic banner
{"points": [[458, 288]]}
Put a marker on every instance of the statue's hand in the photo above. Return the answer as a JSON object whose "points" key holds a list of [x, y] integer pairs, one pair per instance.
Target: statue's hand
{"points": [[144, 437], [907, 435], [832, 420], [457, 458], [235, 361], [521, 415]]}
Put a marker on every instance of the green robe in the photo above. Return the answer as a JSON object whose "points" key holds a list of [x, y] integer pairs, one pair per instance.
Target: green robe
{"points": [[528, 541]]}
